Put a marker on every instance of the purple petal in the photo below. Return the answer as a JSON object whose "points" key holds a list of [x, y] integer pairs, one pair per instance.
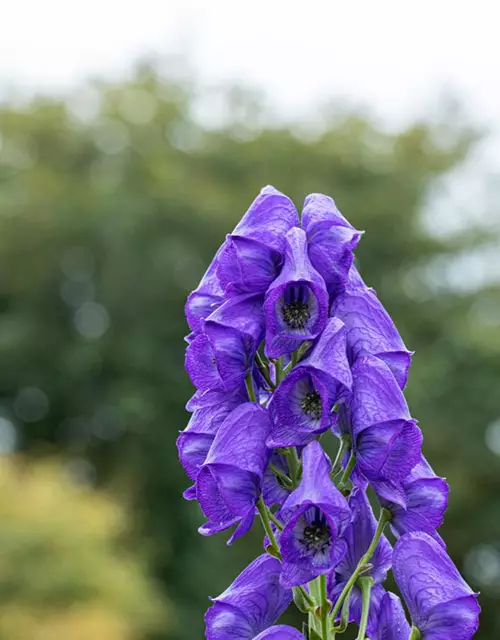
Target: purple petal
{"points": [[302, 405], [281, 632], [205, 298], [247, 266], [391, 623], [317, 488], [253, 602], [359, 535], [296, 303], [438, 598], [387, 440], [371, 330], [331, 239], [193, 449], [229, 482], [268, 219]]}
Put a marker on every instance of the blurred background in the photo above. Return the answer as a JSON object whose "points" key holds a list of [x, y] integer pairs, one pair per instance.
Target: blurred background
{"points": [[133, 136]]}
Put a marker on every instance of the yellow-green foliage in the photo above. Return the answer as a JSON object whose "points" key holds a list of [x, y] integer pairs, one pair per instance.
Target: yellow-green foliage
{"points": [[63, 572]]}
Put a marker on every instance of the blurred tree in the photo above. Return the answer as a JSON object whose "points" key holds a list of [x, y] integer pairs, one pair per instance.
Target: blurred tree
{"points": [[63, 574], [111, 206]]}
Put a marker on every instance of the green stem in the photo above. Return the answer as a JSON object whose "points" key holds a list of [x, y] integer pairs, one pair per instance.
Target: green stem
{"points": [[315, 590], [293, 465], [345, 444], [275, 520], [347, 472], [249, 386], [366, 584], [266, 523], [384, 518], [324, 610], [280, 474], [415, 634], [264, 369]]}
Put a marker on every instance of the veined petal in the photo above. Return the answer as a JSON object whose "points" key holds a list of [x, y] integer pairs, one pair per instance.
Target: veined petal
{"points": [[331, 239], [208, 295], [280, 632], [268, 219], [247, 266], [441, 603], [370, 329], [253, 602], [391, 623]]}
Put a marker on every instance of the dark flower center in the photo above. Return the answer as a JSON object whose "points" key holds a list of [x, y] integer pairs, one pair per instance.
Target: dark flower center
{"points": [[296, 314], [311, 405], [317, 536]]}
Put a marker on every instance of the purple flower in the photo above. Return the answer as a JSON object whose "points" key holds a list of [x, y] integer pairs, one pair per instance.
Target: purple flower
{"points": [[253, 602], [296, 303], [440, 602], [210, 409], [220, 357], [229, 482], [316, 514], [281, 632], [425, 501], [331, 239], [391, 622], [252, 255], [387, 441], [302, 405], [207, 297], [358, 537], [273, 490], [370, 328]]}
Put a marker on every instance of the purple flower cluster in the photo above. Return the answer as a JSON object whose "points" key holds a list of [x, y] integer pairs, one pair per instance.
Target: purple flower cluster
{"points": [[288, 345]]}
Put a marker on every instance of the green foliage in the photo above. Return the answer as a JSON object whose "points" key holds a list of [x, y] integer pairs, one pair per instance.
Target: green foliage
{"points": [[107, 222]]}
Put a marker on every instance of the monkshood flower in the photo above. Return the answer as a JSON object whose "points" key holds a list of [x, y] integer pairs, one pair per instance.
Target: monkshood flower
{"points": [[386, 439], [208, 295], [296, 303], [425, 498], [370, 329], [229, 482], [358, 537], [281, 632], [251, 604], [441, 604], [301, 407], [210, 409], [220, 357], [252, 256], [316, 515], [391, 622], [331, 239]]}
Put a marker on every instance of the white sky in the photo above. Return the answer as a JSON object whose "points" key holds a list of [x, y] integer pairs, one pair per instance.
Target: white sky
{"points": [[393, 56]]}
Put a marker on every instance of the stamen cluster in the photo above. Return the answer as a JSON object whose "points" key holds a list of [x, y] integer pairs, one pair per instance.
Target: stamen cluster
{"points": [[288, 344]]}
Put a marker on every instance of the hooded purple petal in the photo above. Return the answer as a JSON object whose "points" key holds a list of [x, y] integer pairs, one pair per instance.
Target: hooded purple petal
{"points": [[268, 219], [387, 440], [208, 295], [281, 632], [391, 623], [441, 603], [370, 328], [229, 482], [316, 514], [253, 602], [302, 405], [331, 239], [247, 266], [426, 499], [296, 303], [195, 441], [220, 357]]}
